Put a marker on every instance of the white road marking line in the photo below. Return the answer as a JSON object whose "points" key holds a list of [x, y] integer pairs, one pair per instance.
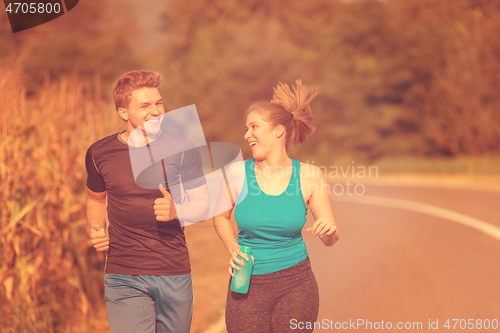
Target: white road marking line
{"points": [[415, 206]]}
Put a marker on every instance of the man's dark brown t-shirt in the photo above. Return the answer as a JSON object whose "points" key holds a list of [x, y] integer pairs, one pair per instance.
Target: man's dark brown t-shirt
{"points": [[138, 243]]}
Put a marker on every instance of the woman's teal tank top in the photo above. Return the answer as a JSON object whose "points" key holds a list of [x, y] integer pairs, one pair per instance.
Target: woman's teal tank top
{"points": [[272, 224]]}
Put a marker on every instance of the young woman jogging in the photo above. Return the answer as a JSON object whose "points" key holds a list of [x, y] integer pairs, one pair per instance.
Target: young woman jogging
{"points": [[273, 193]]}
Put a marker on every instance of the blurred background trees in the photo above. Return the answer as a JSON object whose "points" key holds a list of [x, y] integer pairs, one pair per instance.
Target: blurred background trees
{"points": [[96, 41], [399, 77]]}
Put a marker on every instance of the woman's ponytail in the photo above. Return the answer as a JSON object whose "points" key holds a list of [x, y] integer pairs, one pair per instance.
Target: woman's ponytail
{"points": [[296, 101], [289, 108]]}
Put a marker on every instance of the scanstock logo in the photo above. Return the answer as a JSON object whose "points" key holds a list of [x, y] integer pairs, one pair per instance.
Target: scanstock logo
{"points": [[28, 14], [171, 150]]}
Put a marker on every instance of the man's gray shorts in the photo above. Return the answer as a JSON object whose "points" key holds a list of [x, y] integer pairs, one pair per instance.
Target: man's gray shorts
{"points": [[145, 303]]}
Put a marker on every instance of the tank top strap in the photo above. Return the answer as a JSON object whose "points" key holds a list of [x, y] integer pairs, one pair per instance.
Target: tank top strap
{"points": [[250, 169], [295, 179], [246, 180], [296, 169]]}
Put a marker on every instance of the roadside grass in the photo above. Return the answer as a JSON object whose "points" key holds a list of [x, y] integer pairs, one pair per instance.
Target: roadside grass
{"points": [[49, 272], [467, 165], [347, 166]]}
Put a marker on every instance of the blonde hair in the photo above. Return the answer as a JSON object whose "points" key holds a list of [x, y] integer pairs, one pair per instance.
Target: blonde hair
{"points": [[289, 108], [125, 85]]}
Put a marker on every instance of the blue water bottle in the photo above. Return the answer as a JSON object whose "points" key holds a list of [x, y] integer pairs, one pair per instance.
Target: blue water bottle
{"points": [[241, 278]]}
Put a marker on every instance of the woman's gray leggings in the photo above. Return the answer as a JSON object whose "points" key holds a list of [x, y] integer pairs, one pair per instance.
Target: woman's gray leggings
{"points": [[275, 302]]}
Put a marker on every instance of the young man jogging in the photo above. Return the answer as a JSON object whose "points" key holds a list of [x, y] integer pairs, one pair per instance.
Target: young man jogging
{"points": [[147, 278]]}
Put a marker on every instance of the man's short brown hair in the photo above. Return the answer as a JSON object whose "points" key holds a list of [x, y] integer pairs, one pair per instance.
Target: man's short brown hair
{"points": [[130, 81]]}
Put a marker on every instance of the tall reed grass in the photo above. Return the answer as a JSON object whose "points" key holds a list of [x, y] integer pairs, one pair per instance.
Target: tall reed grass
{"points": [[48, 268], [51, 277]]}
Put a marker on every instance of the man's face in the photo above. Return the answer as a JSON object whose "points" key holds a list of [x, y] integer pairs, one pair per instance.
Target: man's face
{"points": [[146, 104]]}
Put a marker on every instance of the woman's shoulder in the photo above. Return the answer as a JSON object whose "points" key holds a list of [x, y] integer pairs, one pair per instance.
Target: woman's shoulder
{"points": [[237, 168], [311, 171]]}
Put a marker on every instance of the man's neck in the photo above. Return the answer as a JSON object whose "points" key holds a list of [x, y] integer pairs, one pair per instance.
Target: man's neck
{"points": [[138, 138]]}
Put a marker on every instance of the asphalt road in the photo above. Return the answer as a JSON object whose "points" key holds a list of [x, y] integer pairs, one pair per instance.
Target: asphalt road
{"points": [[399, 263], [409, 258]]}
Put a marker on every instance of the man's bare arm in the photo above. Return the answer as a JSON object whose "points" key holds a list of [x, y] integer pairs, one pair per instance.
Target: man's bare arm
{"points": [[96, 218]]}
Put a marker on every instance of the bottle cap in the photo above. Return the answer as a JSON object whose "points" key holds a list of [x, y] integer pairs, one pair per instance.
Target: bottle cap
{"points": [[246, 249]]}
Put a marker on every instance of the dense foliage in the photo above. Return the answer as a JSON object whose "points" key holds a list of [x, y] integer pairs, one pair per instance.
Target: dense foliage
{"points": [[414, 77]]}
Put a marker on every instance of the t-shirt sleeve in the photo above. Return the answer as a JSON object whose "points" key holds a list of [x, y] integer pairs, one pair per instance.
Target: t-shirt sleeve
{"points": [[95, 182], [192, 169]]}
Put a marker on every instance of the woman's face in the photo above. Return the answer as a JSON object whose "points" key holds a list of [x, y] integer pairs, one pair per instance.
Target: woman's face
{"points": [[260, 135]]}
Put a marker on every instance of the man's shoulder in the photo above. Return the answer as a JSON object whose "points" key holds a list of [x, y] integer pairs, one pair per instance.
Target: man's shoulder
{"points": [[103, 147], [106, 141]]}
